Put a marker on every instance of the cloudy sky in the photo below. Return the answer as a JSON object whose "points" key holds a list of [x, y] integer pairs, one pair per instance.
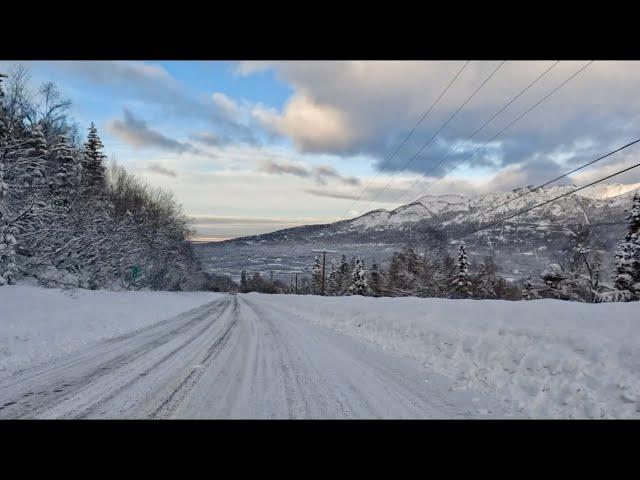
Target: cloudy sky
{"points": [[251, 147]]}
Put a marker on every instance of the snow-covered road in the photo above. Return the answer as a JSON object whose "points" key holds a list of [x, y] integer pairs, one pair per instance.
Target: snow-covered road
{"points": [[236, 357]]}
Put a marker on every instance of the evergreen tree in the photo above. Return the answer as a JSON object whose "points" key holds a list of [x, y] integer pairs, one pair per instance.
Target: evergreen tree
{"points": [[32, 159], [69, 229], [316, 275], [343, 275], [375, 285], [359, 279], [243, 281], [93, 169], [406, 272], [65, 171], [627, 277], [462, 282], [333, 285]]}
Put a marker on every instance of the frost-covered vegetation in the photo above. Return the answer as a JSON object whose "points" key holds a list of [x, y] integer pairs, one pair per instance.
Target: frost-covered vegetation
{"points": [[69, 220]]}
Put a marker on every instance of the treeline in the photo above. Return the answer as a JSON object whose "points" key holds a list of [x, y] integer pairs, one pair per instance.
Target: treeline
{"points": [[434, 273], [411, 273], [69, 220]]}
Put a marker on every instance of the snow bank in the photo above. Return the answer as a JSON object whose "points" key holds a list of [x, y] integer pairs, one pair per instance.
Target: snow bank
{"points": [[544, 358], [38, 324]]}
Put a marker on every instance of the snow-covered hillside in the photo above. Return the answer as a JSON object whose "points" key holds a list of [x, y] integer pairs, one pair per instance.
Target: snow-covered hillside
{"points": [[521, 246], [39, 324], [543, 358]]}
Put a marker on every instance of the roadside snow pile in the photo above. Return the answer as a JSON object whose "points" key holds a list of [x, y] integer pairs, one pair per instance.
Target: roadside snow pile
{"points": [[545, 358], [38, 324]]}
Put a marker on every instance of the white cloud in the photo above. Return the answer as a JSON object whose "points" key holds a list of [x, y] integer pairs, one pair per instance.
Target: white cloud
{"points": [[227, 105], [312, 126]]}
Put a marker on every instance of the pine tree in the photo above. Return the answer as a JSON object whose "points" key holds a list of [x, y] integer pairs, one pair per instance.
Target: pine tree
{"points": [[628, 254], [359, 279], [462, 281]]}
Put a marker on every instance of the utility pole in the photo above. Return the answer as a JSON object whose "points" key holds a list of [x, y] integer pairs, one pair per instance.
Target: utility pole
{"points": [[324, 253], [296, 276]]}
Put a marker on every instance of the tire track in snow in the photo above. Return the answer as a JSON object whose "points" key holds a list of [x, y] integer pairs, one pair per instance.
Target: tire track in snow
{"points": [[31, 392]]}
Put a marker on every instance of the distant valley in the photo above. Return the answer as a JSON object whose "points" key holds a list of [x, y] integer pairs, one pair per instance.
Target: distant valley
{"points": [[520, 246]]}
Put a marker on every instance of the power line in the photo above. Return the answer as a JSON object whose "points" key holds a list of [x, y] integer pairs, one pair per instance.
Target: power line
{"points": [[547, 202], [428, 142], [425, 115], [515, 120], [487, 122], [557, 178]]}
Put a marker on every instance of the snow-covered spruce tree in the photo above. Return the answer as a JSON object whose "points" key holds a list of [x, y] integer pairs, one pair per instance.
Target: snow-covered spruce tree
{"points": [[93, 168], [375, 283], [406, 273], [627, 274], [66, 172], [32, 160], [343, 275], [333, 287], [359, 279], [99, 246], [316, 275], [462, 286]]}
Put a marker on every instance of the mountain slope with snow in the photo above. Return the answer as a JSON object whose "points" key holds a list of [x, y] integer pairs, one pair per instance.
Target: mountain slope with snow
{"points": [[524, 244]]}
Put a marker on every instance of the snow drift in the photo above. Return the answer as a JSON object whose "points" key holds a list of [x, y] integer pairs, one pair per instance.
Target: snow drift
{"points": [[544, 358]]}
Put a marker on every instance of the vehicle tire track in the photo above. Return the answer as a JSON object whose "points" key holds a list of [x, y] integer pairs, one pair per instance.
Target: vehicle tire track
{"points": [[33, 397], [94, 407], [173, 401]]}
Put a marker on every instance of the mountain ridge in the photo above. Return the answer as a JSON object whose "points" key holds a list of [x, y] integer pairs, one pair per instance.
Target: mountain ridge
{"points": [[437, 220]]}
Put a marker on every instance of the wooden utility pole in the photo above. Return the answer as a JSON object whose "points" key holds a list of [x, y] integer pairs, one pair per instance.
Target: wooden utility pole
{"points": [[296, 275], [324, 253]]}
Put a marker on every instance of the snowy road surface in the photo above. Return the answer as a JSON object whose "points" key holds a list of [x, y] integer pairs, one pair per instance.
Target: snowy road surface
{"points": [[236, 357]]}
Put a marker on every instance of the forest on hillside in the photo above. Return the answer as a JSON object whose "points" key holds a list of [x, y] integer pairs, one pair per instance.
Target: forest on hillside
{"points": [[68, 219]]}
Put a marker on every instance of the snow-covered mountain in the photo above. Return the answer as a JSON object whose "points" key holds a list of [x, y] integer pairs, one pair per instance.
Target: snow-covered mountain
{"points": [[523, 244]]}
